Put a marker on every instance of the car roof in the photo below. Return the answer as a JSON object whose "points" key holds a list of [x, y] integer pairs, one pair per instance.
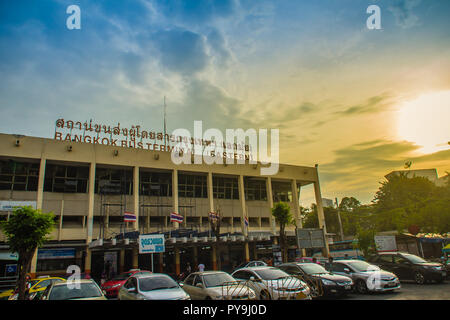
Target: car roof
{"points": [[257, 268], [347, 260], [148, 275], [207, 272], [78, 281]]}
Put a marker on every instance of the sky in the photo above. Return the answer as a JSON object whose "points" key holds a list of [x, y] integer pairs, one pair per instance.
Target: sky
{"points": [[356, 101]]}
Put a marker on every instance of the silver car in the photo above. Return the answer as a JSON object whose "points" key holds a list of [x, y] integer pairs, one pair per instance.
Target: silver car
{"points": [[367, 277], [216, 285], [272, 283], [151, 286]]}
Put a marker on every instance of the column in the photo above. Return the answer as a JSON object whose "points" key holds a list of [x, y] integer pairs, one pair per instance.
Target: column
{"points": [[175, 195], [136, 196], [161, 262], [177, 261], [320, 213], [296, 201], [195, 257], [214, 256], [90, 217], [122, 260], [135, 257], [61, 215], [244, 214], [270, 202], [209, 184], [39, 201]]}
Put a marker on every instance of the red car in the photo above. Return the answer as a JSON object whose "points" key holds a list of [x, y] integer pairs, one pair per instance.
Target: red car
{"points": [[111, 287]]}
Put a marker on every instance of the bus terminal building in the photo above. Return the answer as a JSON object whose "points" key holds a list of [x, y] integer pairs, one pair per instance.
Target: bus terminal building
{"points": [[89, 187]]}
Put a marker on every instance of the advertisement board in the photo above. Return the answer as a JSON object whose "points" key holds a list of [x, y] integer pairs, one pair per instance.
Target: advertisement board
{"points": [[151, 243], [385, 243]]}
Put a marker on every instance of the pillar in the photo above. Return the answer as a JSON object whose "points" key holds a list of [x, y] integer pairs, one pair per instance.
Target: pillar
{"points": [[270, 203], [122, 260], [320, 213], [135, 257], [244, 214], [296, 201], [136, 196], [177, 261], [161, 262], [195, 257], [214, 256], [175, 196], [39, 201], [209, 184], [90, 217], [61, 220]]}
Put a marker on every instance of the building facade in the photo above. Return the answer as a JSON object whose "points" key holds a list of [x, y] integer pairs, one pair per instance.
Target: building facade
{"points": [[90, 186]]}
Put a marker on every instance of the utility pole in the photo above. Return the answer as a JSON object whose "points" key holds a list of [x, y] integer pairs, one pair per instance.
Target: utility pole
{"points": [[340, 222], [165, 144]]}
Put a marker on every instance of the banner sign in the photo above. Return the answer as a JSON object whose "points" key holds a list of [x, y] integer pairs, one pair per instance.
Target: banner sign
{"points": [[44, 254], [9, 256], [310, 238], [385, 243], [151, 243], [11, 205]]}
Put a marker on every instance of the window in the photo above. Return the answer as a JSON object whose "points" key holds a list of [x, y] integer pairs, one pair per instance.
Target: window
{"points": [[66, 179], [338, 267], [157, 184], [255, 189], [385, 258], [198, 280], [242, 275], [400, 260], [192, 186], [114, 181], [282, 191], [189, 280], [225, 188], [18, 176]]}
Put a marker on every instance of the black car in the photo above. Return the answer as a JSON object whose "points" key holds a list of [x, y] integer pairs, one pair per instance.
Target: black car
{"points": [[409, 267], [320, 281]]}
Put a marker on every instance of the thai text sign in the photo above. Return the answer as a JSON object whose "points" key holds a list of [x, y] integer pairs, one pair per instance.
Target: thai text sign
{"points": [[151, 243], [385, 243]]}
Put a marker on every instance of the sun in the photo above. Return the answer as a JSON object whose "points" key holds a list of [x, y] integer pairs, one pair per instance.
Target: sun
{"points": [[425, 121]]}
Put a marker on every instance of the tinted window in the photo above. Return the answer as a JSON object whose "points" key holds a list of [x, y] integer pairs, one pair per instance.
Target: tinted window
{"points": [[218, 279], [414, 259], [198, 280], [313, 268], [243, 275], [271, 274], [189, 280], [385, 258], [63, 292], [338, 267], [400, 260], [156, 283]]}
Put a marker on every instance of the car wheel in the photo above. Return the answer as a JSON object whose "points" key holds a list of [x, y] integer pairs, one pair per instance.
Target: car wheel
{"points": [[361, 286], [419, 278], [264, 295]]}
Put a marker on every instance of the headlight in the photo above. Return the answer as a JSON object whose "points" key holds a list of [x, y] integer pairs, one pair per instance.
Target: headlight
{"points": [[328, 282]]}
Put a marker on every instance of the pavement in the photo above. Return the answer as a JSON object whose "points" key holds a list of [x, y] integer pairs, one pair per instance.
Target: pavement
{"points": [[408, 291]]}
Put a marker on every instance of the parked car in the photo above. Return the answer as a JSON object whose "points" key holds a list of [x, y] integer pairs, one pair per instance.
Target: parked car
{"points": [[251, 264], [367, 277], [330, 284], [409, 267], [273, 283], [111, 287], [35, 287], [151, 286], [87, 289], [216, 285]]}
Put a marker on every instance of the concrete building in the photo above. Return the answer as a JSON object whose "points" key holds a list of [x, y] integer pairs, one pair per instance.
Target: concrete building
{"points": [[89, 186], [430, 174]]}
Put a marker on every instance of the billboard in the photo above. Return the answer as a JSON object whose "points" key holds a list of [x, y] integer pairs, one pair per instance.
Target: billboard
{"points": [[385, 243], [151, 243], [308, 238]]}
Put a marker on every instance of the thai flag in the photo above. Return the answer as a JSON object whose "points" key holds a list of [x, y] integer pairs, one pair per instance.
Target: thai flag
{"points": [[246, 221], [175, 217], [129, 217]]}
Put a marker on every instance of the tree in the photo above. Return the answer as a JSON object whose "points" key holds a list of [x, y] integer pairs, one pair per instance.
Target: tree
{"points": [[349, 204], [366, 241], [282, 214], [26, 230]]}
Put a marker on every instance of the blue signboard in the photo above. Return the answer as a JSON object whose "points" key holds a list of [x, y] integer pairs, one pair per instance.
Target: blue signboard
{"points": [[151, 243], [56, 253]]}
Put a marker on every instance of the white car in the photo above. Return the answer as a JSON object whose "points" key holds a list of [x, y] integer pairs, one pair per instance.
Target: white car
{"points": [[216, 285], [273, 283], [151, 286]]}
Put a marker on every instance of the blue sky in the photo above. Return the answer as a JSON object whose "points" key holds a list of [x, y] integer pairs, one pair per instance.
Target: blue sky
{"points": [[310, 68]]}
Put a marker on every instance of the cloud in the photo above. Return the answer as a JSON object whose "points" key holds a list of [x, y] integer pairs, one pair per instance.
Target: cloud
{"points": [[374, 104], [220, 52], [403, 12]]}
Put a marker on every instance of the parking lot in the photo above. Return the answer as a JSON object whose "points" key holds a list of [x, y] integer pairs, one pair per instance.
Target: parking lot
{"points": [[409, 291]]}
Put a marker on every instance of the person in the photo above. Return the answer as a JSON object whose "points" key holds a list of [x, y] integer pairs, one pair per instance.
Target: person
{"points": [[314, 260], [201, 267], [188, 269]]}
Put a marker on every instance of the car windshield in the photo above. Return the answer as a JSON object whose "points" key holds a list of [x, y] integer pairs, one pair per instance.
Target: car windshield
{"points": [[271, 274], [156, 283], [414, 259], [362, 266], [64, 292], [313, 268], [217, 279]]}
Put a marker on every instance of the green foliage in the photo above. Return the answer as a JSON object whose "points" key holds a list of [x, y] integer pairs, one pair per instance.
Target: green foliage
{"points": [[282, 213], [366, 241], [27, 228], [349, 204]]}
